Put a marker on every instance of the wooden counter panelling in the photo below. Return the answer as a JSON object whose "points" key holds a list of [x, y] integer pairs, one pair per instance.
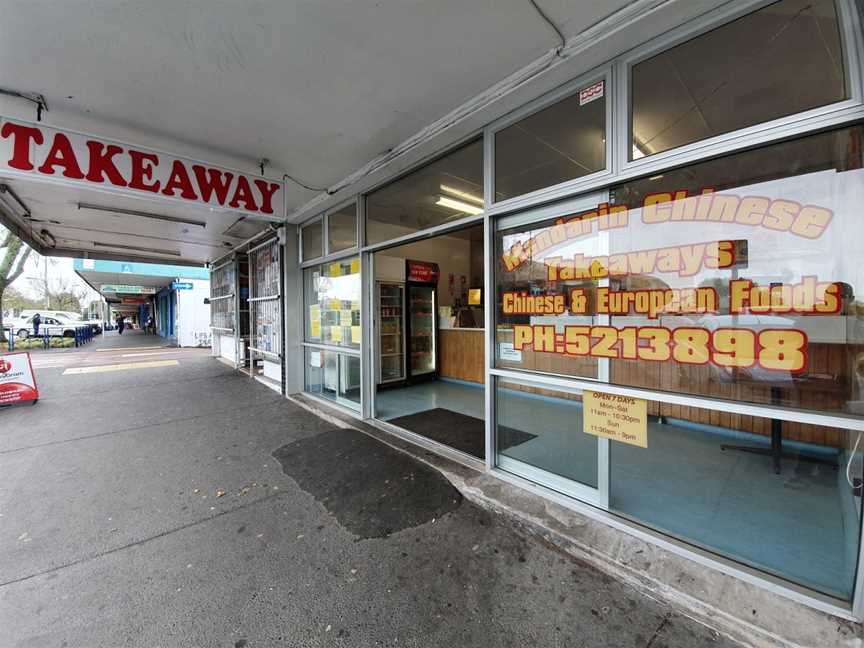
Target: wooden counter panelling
{"points": [[462, 354]]}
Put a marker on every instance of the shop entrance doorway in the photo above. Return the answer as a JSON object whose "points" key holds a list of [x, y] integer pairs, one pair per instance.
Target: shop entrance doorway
{"points": [[428, 339]]}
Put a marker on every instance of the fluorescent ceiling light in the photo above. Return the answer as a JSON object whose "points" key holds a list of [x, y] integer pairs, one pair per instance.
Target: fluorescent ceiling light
{"points": [[136, 248], [640, 149], [142, 214], [458, 205], [462, 194]]}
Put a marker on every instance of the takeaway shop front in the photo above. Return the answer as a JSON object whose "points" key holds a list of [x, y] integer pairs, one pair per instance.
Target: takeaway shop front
{"points": [[720, 302], [671, 267]]}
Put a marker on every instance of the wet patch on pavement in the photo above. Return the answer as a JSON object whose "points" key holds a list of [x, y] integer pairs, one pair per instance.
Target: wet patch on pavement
{"points": [[370, 488]]}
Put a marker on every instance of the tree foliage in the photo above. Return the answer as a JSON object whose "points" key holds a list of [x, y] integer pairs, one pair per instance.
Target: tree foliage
{"points": [[13, 256]]}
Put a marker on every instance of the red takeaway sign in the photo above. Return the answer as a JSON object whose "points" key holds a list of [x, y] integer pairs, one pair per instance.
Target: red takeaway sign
{"points": [[48, 154]]}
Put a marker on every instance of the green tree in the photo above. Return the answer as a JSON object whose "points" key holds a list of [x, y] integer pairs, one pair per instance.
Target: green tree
{"points": [[14, 300], [67, 300], [13, 256]]}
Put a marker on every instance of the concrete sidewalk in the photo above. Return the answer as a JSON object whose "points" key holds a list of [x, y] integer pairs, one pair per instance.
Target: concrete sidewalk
{"points": [[187, 505]]}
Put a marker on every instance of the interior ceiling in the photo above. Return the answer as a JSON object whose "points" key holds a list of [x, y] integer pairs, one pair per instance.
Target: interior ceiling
{"points": [[754, 60], [318, 88], [412, 201]]}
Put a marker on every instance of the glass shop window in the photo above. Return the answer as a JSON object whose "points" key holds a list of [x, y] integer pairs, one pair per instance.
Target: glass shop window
{"points": [[342, 229], [712, 479], [332, 303], [564, 141], [542, 427], [780, 60], [737, 278], [779, 496], [445, 190], [312, 236], [333, 375]]}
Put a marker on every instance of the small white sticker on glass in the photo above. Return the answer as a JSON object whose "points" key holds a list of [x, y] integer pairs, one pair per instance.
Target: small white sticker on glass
{"points": [[507, 352], [592, 92]]}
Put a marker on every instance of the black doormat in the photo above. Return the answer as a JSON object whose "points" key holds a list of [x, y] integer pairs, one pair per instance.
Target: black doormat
{"points": [[459, 431]]}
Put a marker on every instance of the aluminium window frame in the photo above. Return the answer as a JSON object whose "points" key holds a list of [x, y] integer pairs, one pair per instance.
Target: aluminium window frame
{"points": [[603, 73], [352, 351], [622, 169], [474, 136], [349, 405], [329, 347], [762, 132], [326, 254], [325, 258], [319, 218], [846, 609], [837, 115], [326, 237]]}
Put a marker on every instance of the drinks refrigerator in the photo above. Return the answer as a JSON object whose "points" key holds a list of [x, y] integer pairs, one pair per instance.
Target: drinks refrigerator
{"points": [[421, 320], [391, 332]]}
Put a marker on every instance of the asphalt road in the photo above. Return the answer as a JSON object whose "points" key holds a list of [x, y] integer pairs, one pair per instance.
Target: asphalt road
{"points": [[186, 505]]}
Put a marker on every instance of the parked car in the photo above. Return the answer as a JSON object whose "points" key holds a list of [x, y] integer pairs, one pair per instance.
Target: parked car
{"points": [[23, 328], [64, 316]]}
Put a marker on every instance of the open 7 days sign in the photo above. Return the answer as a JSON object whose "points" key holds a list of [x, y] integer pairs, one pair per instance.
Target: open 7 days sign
{"points": [[17, 383], [47, 154]]}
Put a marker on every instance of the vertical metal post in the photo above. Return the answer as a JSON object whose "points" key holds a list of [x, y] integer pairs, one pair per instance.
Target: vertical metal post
{"points": [[368, 322], [489, 297], [489, 338], [237, 332], [293, 312], [250, 280], [283, 360]]}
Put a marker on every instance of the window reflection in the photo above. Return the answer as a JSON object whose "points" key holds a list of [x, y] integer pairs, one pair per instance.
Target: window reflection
{"points": [[332, 296], [334, 376], [445, 190], [736, 278], [342, 229], [313, 240], [564, 141], [783, 59]]}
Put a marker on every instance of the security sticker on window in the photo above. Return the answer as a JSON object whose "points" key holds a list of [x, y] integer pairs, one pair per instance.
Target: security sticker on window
{"points": [[592, 92]]}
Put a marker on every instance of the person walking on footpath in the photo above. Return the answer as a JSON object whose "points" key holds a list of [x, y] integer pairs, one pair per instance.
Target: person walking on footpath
{"points": [[37, 320], [121, 324]]}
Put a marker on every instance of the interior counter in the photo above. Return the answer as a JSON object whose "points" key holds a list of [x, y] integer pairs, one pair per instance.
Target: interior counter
{"points": [[462, 354]]}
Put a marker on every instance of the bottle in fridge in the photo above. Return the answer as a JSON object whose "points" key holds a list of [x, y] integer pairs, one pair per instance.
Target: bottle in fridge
{"points": [[391, 342], [421, 319]]}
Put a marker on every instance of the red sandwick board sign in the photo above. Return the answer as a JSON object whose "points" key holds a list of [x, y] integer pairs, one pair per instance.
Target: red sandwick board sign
{"points": [[17, 381]]}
